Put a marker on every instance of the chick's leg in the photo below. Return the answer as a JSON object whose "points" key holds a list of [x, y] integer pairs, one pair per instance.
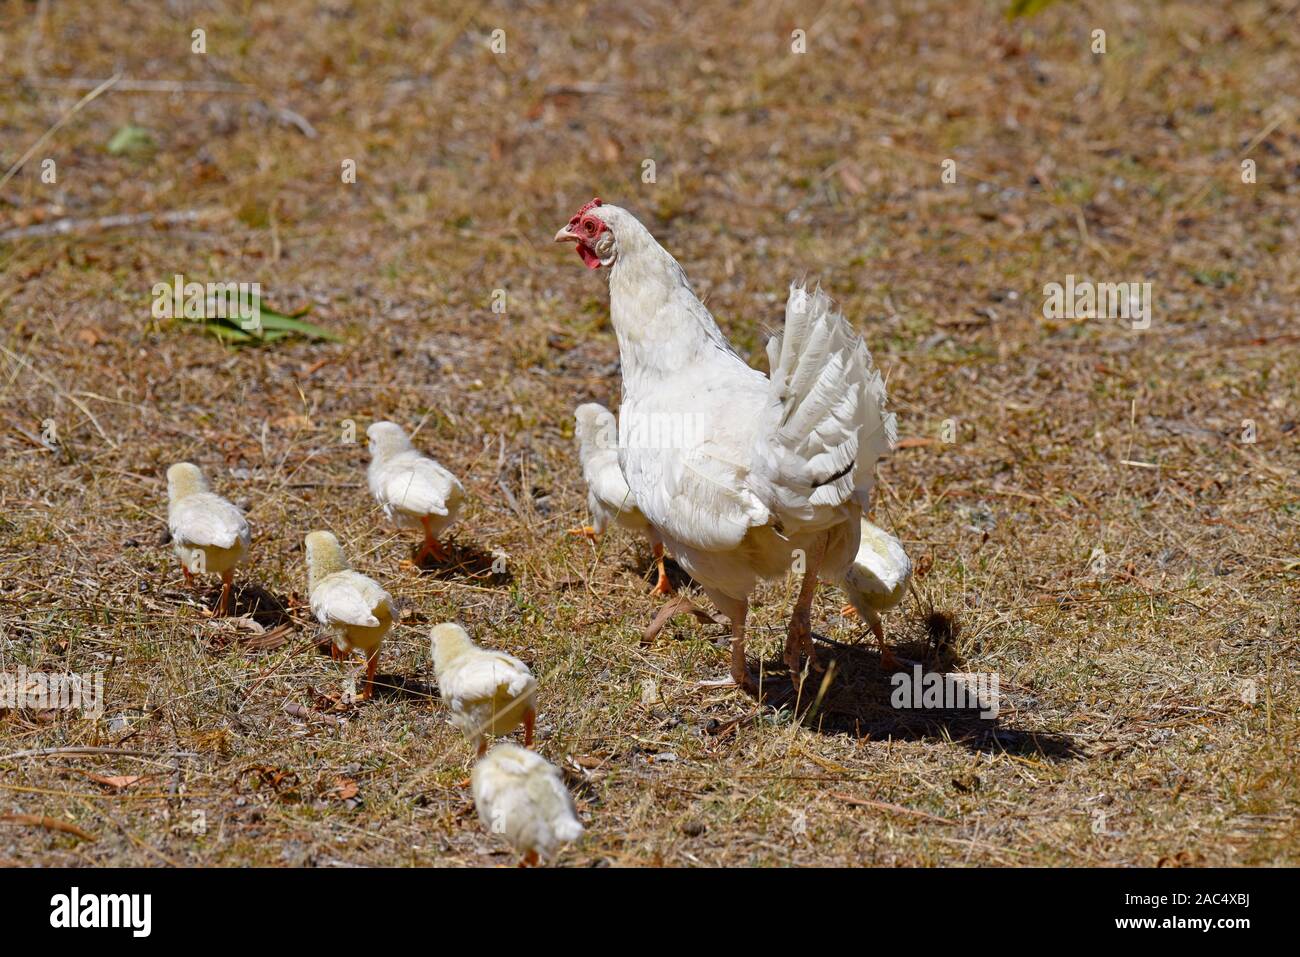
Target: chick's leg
{"points": [[664, 585], [888, 660], [431, 546], [372, 663], [227, 586], [799, 634]]}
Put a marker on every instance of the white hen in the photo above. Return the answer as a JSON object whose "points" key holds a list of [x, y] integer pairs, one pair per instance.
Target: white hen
{"points": [[353, 607], [521, 796], [414, 490], [877, 581], [488, 692], [765, 473], [208, 533], [608, 497]]}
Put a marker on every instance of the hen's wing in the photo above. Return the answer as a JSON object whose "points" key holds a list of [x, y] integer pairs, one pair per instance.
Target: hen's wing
{"points": [[832, 425]]}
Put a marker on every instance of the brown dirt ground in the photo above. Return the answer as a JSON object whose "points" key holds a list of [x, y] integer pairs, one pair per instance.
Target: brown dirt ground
{"points": [[1126, 735]]}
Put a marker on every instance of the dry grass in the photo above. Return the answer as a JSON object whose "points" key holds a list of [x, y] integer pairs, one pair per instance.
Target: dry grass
{"points": [[1124, 737]]}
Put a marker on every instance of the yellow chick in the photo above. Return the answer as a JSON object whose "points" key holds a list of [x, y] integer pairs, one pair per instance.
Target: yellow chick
{"points": [[489, 692], [210, 534], [355, 608], [608, 497], [521, 796], [877, 581], [414, 490]]}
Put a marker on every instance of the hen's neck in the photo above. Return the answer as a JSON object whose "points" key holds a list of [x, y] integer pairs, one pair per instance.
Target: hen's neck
{"points": [[662, 327]]}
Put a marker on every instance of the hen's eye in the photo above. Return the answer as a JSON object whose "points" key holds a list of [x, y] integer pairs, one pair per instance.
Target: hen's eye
{"points": [[589, 226]]}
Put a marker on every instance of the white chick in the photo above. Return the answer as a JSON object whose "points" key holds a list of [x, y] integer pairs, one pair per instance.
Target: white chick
{"points": [[414, 490], [608, 496], [355, 608], [489, 692], [521, 796], [208, 532], [877, 581]]}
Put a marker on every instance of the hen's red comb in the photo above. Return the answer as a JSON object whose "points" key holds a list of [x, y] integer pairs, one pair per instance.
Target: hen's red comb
{"points": [[595, 202]]}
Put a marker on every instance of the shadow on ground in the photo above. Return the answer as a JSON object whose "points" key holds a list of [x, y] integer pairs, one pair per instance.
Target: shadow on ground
{"points": [[858, 700], [469, 560]]}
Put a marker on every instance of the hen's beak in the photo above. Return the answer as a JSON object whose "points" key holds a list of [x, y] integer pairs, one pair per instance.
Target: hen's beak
{"points": [[566, 235]]}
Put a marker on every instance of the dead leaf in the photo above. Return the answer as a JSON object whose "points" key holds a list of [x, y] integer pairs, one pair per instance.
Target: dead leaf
{"points": [[851, 181], [891, 808], [915, 442], [292, 422], [117, 782], [283, 783], [90, 335], [49, 823], [345, 788]]}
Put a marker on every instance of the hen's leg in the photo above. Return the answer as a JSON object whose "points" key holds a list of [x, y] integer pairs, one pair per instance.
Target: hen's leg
{"points": [[664, 586], [189, 578], [737, 609], [799, 635]]}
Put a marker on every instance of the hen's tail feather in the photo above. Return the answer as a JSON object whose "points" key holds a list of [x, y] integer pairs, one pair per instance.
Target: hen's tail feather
{"points": [[833, 425]]}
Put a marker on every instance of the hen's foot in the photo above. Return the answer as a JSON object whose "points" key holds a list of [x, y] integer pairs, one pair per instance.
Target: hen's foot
{"points": [[583, 531], [664, 585]]}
